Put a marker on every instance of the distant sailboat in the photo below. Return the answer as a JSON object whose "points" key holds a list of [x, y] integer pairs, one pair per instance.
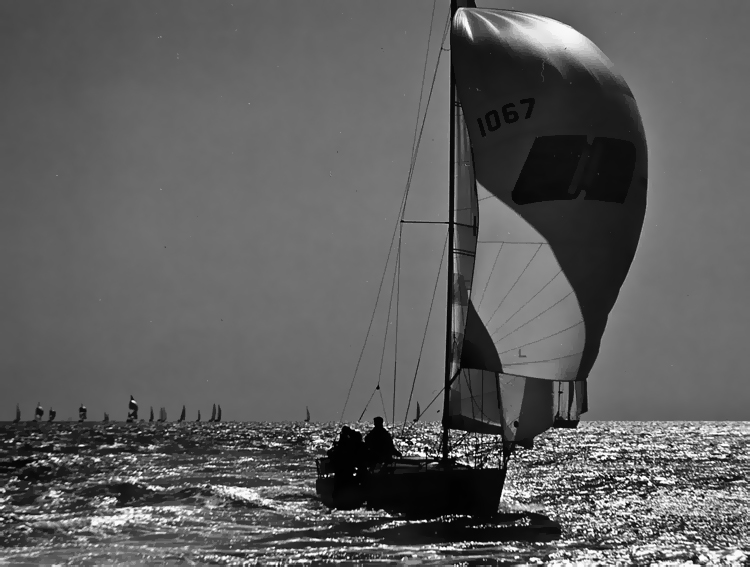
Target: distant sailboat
{"points": [[307, 414], [39, 413], [567, 409], [162, 415], [81, 413], [419, 413], [106, 417], [213, 414], [199, 415], [151, 417], [132, 410], [218, 415], [182, 415], [52, 414], [18, 414]]}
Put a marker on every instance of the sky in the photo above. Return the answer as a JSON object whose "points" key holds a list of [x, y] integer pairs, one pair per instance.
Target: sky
{"points": [[197, 200]]}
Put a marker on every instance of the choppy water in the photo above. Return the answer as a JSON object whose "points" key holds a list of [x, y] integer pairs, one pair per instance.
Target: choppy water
{"points": [[626, 492]]}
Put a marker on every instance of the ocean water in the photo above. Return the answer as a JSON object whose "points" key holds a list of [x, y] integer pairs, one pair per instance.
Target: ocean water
{"points": [[229, 493]]}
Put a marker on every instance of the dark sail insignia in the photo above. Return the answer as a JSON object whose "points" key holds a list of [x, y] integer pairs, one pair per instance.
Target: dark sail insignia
{"points": [[566, 167]]}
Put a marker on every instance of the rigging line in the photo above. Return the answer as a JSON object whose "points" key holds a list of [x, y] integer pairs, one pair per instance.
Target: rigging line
{"points": [[514, 283], [433, 400], [418, 138], [382, 403], [538, 340], [510, 242], [545, 360], [372, 317], [368, 402], [424, 118], [402, 208], [385, 335], [395, 340], [450, 382], [532, 297], [424, 336], [530, 320], [421, 89], [490, 276]]}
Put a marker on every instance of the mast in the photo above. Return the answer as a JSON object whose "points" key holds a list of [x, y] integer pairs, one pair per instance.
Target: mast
{"points": [[451, 206]]}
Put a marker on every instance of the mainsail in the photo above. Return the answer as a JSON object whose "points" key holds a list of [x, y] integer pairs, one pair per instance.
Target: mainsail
{"points": [[151, 414], [199, 415], [106, 416], [550, 169], [162, 414], [52, 414], [418, 413], [182, 414], [18, 414], [213, 414], [82, 411], [39, 413], [218, 415], [307, 414]]}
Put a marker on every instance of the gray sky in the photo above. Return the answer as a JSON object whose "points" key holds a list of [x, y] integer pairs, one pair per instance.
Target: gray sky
{"points": [[197, 200]]}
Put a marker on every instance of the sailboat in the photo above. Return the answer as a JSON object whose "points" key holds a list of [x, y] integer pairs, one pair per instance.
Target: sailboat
{"points": [[182, 414], [199, 415], [213, 414], [151, 415], [162, 414], [106, 417], [18, 414], [82, 413], [39, 412], [418, 414], [132, 410], [307, 414], [218, 414], [52, 414], [546, 189]]}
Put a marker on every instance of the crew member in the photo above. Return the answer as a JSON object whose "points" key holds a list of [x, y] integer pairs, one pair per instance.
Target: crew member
{"points": [[379, 444]]}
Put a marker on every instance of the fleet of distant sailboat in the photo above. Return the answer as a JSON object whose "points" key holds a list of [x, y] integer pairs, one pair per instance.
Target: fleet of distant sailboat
{"points": [[132, 415]]}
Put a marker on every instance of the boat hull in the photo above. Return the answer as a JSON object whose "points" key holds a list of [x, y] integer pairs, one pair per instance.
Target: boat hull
{"points": [[416, 487]]}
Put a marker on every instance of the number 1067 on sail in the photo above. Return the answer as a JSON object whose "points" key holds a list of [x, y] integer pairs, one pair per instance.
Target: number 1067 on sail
{"points": [[492, 120]]}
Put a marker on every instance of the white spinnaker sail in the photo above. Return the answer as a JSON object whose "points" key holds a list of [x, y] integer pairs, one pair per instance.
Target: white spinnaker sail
{"points": [[560, 162]]}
